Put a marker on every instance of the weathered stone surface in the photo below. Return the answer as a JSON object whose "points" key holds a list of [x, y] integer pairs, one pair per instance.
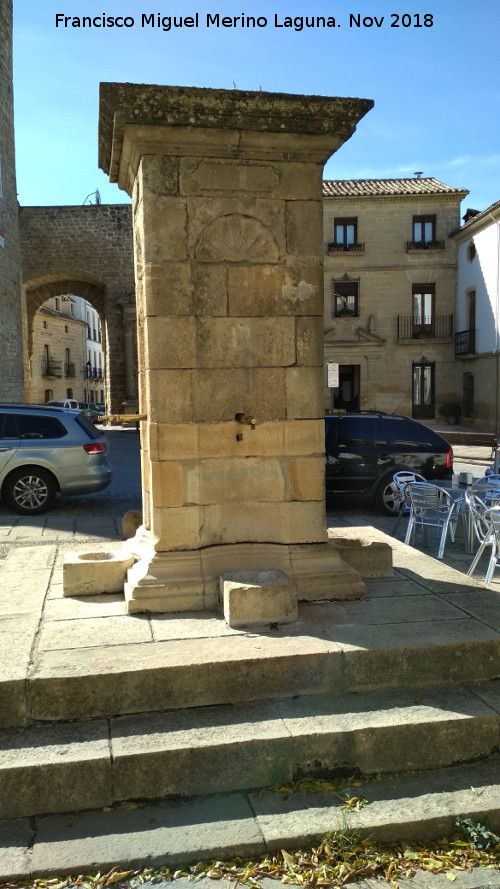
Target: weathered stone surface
{"points": [[167, 479], [219, 395], [306, 437], [245, 342], [176, 528], [320, 573], [167, 289], [209, 177], [249, 478], [306, 478], [309, 339], [163, 222], [209, 289], [170, 396], [170, 342], [236, 230], [88, 573], [253, 598], [219, 440], [371, 558], [304, 393], [304, 227]]}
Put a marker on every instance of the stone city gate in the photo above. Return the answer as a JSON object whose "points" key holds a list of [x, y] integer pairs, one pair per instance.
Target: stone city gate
{"points": [[85, 251], [227, 212]]}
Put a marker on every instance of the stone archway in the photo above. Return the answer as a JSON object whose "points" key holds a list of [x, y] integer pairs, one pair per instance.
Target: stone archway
{"points": [[85, 251]]}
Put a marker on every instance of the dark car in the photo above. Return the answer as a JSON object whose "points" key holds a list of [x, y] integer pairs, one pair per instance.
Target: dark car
{"points": [[48, 450], [365, 449]]}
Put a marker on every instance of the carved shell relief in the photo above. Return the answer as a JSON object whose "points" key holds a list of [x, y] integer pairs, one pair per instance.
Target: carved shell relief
{"points": [[236, 238]]}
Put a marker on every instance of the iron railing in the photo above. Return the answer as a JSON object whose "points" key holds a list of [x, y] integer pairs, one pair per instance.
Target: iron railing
{"points": [[69, 369], [437, 327], [465, 341], [51, 368], [424, 245]]}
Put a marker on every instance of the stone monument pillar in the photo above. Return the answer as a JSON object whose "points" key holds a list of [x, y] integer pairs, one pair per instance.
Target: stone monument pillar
{"points": [[227, 212]]}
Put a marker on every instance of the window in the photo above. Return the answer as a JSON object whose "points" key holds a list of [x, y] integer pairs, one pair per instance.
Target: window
{"points": [[45, 325], [345, 297], [423, 300], [424, 229], [32, 426], [57, 302], [345, 231], [471, 251], [423, 389]]}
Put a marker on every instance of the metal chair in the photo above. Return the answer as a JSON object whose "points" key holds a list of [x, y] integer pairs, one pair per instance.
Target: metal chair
{"points": [[401, 479], [488, 488], [490, 520], [431, 507]]}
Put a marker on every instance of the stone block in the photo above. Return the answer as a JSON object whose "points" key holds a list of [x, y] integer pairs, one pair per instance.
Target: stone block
{"points": [[176, 441], [304, 227], [257, 290], [209, 289], [176, 528], [242, 522], [91, 573], [303, 522], [298, 181], [306, 478], [170, 342], [158, 175], [249, 478], [245, 342], [320, 573], [304, 437], [309, 340], [167, 483], [372, 558], [167, 289], [225, 176], [237, 229], [219, 440], [252, 598], [169, 396], [164, 229], [304, 392], [217, 560], [303, 289], [219, 394], [166, 582]]}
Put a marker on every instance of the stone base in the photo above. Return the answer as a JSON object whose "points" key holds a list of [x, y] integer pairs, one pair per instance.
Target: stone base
{"points": [[372, 558], [256, 598], [189, 580], [91, 573]]}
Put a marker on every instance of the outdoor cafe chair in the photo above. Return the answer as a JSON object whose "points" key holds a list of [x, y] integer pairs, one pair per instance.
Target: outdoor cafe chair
{"points": [[430, 507], [488, 488], [490, 519], [401, 479]]}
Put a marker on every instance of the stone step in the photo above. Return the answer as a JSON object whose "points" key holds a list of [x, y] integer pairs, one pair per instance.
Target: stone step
{"points": [[334, 649], [207, 750], [175, 833]]}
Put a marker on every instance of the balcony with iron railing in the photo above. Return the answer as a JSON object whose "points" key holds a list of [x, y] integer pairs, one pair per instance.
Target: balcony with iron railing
{"points": [[434, 327], [51, 368], [465, 341], [424, 245], [69, 369]]}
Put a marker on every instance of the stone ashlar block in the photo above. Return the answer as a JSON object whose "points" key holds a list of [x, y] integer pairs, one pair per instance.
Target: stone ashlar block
{"points": [[219, 394], [176, 528], [304, 227], [174, 441], [163, 221], [159, 174], [306, 478], [219, 224], [304, 437], [257, 290], [167, 289], [320, 573], [209, 177], [219, 440], [170, 342], [245, 342], [167, 481], [248, 478], [372, 558], [209, 289], [92, 573], [304, 392], [258, 597], [310, 345], [169, 397], [263, 522]]}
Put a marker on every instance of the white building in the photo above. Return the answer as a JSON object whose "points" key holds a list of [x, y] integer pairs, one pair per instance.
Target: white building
{"points": [[477, 340]]}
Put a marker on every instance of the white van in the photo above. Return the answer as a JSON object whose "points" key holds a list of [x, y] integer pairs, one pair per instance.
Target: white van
{"points": [[64, 402]]}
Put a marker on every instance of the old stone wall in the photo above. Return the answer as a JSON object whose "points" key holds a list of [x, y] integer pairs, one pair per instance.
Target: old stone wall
{"points": [[85, 251], [11, 364]]}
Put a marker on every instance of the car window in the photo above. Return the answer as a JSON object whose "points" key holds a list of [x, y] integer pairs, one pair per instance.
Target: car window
{"points": [[89, 428], [406, 434], [360, 432], [30, 426]]}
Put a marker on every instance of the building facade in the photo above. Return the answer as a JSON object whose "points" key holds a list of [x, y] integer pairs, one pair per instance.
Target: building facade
{"points": [[390, 283], [477, 341]]}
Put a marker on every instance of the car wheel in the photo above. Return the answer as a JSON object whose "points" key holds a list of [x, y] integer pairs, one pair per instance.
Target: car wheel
{"points": [[388, 497], [30, 491]]}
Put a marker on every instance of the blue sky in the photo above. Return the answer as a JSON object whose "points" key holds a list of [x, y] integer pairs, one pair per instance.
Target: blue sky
{"points": [[436, 89]]}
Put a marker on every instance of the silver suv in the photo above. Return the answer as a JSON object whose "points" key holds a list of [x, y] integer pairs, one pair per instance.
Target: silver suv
{"points": [[48, 450]]}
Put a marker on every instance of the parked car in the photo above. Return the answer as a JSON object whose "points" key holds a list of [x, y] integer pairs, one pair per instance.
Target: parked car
{"points": [[47, 450], [91, 411], [365, 449], [69, 403]]}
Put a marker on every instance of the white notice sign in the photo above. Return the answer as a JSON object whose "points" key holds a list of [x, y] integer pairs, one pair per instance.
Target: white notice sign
{"points": [[333, 375]]}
